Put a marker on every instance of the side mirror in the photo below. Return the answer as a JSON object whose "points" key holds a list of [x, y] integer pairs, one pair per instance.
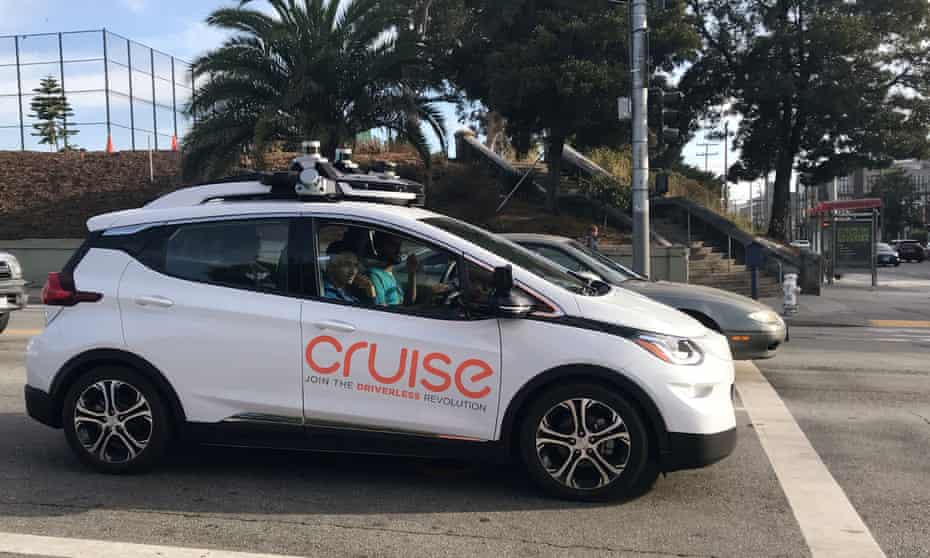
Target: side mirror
{"points": [[506, 301]]}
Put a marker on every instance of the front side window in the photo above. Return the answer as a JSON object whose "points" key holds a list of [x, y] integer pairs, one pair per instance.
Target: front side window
{"points": [[248, 255], [511, 252], [378, 268]]}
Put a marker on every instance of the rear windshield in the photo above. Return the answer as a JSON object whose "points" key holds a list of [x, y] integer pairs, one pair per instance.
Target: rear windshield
{"points": [[511, 252]]}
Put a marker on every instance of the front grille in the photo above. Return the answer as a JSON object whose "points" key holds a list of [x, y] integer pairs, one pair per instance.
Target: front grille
{"points": [[5, 272]]}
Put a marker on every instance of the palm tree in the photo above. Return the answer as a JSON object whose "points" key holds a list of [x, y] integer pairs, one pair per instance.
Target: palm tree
{"points": [[310, 71]]}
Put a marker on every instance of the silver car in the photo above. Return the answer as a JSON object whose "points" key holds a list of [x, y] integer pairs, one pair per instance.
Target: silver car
{"points": [[12, 288], [754, 330]]}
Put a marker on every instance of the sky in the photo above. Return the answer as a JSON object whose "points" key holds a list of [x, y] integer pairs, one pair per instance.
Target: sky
{"points": [[174, 27]]}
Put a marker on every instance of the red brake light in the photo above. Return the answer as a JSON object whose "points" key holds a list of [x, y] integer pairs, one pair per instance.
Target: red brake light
{"points": [[59, 290]]}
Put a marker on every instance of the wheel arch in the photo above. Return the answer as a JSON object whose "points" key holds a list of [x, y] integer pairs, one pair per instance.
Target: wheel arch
{"points": [[91, 359], [606, 377]]}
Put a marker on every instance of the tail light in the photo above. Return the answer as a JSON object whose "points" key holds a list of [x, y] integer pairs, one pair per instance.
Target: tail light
{"points": [[60, 290]]}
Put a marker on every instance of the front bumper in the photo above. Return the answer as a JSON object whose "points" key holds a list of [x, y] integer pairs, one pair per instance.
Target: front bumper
{"points": [[40, 406], [13, 295], [756, 345], [693, 451]]}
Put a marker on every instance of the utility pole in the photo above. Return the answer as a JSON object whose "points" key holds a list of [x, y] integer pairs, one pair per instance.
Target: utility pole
{"points": [[707, 154], [726, 166], [640, 124]]}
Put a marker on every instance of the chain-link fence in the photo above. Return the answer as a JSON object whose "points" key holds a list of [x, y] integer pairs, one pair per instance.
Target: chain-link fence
{"points": [[125, 95]]}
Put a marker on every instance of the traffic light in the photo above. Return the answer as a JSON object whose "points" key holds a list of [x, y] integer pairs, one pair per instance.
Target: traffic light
{"points": [[661, 187], [669, 116]]}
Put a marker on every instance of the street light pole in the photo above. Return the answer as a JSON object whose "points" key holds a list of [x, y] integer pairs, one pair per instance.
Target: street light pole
{"points": [[640, 125]]}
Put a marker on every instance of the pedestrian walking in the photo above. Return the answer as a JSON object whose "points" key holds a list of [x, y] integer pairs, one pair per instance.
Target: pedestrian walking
{"points": [[592, 238]]}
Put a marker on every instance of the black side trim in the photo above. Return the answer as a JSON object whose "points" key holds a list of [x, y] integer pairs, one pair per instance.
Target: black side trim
{"points": [[82, 250], [598, 374], [586, 323], [341, 440], [39, 406], [99, 357], [692, 451]]}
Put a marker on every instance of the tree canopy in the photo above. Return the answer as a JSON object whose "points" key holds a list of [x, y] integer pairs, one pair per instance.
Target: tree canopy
{"points": [[823, 86], [319, 69], [901, 206], [553, 68]]}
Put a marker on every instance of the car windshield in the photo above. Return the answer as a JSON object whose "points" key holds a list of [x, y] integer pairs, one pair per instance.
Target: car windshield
{"points": [[618, 268], [882, 247], [512, 252]]}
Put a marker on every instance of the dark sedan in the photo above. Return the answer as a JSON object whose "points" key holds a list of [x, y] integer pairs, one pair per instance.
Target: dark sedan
{"points": [[887, 255]]}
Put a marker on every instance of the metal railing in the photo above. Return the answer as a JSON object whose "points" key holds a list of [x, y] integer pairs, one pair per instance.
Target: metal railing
{"points": [[124, 94]]}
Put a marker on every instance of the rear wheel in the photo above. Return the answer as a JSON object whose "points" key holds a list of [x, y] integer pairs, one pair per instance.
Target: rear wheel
{"points": [[586, 442], [115, 420]]}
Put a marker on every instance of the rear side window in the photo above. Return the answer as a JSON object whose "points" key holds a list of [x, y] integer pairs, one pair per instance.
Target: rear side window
{"points": [[250, 255]]}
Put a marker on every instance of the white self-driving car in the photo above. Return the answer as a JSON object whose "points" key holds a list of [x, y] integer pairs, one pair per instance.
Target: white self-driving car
{"points": [[243, 313]]}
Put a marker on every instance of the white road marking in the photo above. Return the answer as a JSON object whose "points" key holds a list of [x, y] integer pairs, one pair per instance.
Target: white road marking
{"points": [[59, 547], [830, 525]]}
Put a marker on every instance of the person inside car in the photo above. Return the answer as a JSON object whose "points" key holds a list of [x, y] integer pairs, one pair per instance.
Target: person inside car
{"points": [[339, 281], [381, 272]]}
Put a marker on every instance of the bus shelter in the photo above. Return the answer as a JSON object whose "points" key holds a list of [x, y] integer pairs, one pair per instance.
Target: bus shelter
{"points": [[847, 235]]}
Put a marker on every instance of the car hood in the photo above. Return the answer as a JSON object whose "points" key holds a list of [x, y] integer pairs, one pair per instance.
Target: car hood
{"points": [[682, 295], [630, 309]]}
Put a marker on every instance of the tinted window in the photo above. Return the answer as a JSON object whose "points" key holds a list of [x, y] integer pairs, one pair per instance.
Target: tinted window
{"points": [[242, 254], [558, 257]]}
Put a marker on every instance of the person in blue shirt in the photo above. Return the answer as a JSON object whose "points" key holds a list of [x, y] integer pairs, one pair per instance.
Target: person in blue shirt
{"points": [[341, 276]]}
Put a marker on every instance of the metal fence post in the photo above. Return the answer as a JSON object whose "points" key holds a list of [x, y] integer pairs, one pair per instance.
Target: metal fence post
{"points": [[689, 230], [106, 83], [61, 72], [174, 100], [19, 97], [729, 253], [154, 111], [132, 113]]}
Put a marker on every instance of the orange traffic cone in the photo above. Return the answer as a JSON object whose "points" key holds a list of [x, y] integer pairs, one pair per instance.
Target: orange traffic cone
{"points": [[109, 144], [174, 143]]}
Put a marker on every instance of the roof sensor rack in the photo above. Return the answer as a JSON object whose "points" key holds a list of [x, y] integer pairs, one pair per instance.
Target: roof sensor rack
{"points": [[311, 178]]}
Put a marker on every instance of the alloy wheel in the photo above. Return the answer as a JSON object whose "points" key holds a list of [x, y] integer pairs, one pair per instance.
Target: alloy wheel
{"points": [[583, 443], [113, 421]]}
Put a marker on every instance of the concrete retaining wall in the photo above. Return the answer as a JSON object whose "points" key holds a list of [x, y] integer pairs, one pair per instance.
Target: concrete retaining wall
{"points": [[39, 256], [669, 263]]}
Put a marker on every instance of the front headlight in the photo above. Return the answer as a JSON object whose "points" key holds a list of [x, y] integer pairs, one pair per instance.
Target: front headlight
{"points": [[765, 317], [673, 350], [16, 271]]}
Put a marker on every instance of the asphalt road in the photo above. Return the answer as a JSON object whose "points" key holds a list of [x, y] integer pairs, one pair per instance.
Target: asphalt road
{"points": [[859, 394], [862, 397]]}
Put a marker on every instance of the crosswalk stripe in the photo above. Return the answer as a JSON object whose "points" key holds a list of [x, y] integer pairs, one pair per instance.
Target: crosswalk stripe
{"points": [[829, 523], [60, 547]]}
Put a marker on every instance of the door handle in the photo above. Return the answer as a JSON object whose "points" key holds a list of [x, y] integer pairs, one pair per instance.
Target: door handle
{"points": [[335, 325], [157, 301]]}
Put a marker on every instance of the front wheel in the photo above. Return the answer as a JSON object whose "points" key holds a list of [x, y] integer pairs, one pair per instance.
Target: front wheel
{"points": [[115, 420], [4, 321], [586, 442]]}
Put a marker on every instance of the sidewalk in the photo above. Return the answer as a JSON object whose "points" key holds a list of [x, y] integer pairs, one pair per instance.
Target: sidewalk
{"points": [[853, 303]]}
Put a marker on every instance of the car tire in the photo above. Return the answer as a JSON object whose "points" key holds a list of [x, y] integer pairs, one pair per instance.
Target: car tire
{"points": [[115, 420], [570, 466], [4, 321]]}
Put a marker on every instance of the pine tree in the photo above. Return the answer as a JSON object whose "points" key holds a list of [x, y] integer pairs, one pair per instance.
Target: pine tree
{"points": [[52, 110]]}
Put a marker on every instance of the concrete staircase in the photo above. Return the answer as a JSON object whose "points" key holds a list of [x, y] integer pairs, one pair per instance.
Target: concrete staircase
{"points": [[710, 266]]}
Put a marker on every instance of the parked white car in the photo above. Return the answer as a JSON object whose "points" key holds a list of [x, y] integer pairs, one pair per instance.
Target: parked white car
{"points": [[12, 288], [223, 317]]}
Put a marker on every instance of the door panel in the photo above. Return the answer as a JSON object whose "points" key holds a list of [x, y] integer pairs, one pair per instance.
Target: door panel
{"points": [[370, 368], [387, 345], [198, 313]]}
